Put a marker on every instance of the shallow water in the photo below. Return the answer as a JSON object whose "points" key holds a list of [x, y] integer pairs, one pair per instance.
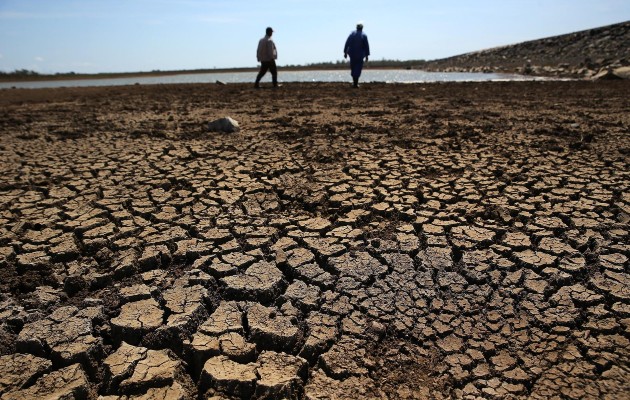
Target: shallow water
{"points": [[376, 75]]}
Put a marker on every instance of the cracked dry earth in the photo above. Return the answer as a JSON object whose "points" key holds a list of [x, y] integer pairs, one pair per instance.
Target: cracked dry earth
{"points": [[460, 240]]}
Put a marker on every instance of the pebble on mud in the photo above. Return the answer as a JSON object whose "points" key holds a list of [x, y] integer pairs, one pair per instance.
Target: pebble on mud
{"points": [[227, 125]]}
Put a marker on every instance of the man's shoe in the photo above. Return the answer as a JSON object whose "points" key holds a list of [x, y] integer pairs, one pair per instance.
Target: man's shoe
{"points": [[279, 85]]}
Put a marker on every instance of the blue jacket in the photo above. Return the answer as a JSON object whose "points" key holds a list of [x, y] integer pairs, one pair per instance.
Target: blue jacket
{"points": [[357, 45]]}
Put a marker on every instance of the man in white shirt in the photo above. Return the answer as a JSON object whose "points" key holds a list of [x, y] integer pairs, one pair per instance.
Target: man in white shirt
{"points": [[267, 55]]}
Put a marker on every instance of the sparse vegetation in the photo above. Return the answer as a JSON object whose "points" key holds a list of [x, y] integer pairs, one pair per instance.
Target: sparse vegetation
{"points": [[19, 73]]}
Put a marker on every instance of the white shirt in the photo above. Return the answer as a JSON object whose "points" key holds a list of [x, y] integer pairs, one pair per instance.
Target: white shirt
{"points": [[266, 49]]}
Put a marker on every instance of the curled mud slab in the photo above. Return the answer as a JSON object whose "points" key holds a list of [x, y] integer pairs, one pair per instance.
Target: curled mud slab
{"points": [[463, 240]]}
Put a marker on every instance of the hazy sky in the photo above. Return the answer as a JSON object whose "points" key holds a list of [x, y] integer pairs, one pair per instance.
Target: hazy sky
{"points": [[143, 35]]}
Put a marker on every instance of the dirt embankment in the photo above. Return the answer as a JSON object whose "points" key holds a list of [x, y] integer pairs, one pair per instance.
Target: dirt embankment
{"points": [[579, 54], [459, 240]]}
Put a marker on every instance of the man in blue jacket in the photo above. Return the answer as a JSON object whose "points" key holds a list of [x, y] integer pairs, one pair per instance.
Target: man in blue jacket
{"points": [[358, 48]]}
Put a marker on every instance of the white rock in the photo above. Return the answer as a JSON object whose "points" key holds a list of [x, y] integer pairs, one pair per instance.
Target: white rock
{"points": [[622, 72], [226, 124]]}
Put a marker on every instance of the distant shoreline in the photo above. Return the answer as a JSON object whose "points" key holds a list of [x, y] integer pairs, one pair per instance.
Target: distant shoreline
{"points": [[111, 75], [114, 75]]}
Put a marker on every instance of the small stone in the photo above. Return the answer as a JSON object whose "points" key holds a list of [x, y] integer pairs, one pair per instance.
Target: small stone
{"points": [[226, 125]]}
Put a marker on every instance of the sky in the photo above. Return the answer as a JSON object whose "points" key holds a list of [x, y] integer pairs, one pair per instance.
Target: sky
{"points": [[94, 36]]}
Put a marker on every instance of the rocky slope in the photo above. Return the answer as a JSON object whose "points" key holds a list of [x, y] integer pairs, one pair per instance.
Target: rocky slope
{"points": [[580, 54]]}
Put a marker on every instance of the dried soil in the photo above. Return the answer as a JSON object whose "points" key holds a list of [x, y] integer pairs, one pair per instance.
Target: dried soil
{"points": [[456, 240]]}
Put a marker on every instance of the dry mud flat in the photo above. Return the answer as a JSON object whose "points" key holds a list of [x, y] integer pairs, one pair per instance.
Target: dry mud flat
{"points": [[463, 240]]}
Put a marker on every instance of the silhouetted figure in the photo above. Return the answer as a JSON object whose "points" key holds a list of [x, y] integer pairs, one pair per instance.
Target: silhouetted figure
{"points": [[267, 55], [358, 47]]}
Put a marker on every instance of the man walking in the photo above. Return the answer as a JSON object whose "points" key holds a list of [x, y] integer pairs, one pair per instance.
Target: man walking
{"points": [[267, 55], [358, 48]]}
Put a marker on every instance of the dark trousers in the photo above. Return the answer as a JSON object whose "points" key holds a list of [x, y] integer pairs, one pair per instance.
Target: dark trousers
{"points": [[356, 66], [268, 66]]}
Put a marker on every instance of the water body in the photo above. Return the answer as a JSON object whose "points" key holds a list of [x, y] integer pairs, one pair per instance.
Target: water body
{"points": [[375, 75]]}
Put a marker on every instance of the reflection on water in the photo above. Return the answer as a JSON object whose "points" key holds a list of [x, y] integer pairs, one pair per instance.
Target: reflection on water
{"points": [[375, 75]]}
